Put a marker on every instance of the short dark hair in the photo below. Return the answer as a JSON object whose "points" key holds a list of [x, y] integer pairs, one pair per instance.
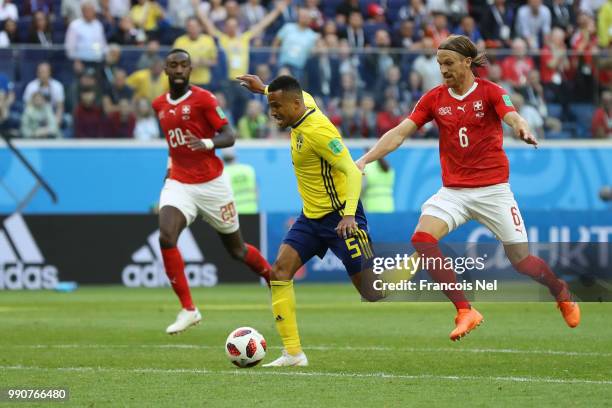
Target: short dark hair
{"points": [[178, 51], [285, 83]]}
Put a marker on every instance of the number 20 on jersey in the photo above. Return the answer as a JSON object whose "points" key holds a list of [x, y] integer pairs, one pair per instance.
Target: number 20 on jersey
{"points": [[176, 137]]}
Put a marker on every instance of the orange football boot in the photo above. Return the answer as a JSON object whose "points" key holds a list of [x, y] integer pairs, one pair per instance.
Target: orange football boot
{"points": [[465, 321], [569, 309]]}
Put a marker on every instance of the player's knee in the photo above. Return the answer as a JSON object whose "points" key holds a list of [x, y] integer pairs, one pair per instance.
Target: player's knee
{"points": [[280, 273], [422, 241], [167, 239]]}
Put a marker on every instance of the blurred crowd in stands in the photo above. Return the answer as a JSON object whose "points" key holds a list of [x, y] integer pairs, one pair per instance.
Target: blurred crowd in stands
{"points": [[89, 69]]}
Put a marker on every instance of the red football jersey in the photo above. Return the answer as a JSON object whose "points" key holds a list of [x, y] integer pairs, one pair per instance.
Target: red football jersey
{"points": [[199, 112], [471, 136]]}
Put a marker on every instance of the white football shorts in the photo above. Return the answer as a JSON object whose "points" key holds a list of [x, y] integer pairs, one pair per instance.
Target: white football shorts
{"points": [[492, 206], [213, 201]]}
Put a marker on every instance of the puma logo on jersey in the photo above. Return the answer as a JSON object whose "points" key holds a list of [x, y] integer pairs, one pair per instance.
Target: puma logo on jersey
{"points": [[461, 108], [172, 111]]}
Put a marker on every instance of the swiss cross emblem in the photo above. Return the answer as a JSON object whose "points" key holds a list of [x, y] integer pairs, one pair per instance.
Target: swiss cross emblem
{"points": [[478, 106], [186, 110]]}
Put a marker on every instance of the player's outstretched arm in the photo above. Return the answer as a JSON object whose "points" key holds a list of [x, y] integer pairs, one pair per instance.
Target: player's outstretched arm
{"points": [[269, 18], [226, 137], [388, 142], [201, 15], [521, 128], [252, 82]]}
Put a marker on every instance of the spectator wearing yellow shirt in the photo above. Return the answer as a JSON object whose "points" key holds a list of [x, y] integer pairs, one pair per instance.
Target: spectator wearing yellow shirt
{"points": [[150, 82], [604, 25], [202, 49], [236, 45], [146, 15]]}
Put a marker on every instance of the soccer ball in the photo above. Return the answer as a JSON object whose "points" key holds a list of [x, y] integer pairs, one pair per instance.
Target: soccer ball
{"points": [[245, 347]]}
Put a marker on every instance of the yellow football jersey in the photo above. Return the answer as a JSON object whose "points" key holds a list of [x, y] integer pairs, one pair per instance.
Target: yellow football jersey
{"points": [[316, 147]]}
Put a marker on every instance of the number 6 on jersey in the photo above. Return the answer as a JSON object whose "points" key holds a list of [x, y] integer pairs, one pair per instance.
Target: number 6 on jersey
{"points": [[463, 137]]}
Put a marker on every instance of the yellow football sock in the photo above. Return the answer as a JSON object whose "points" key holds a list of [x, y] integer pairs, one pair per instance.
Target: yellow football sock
{"points": [[283, 307], [403, 273]]}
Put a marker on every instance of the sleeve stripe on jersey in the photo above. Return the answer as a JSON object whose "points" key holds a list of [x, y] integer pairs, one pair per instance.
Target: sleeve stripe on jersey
{"points": [[332, 185], [327, 182], [363, 239]]}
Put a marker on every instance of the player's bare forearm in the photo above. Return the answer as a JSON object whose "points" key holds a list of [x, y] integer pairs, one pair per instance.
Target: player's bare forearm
{"points": [[252, 82], [269, 18], [521, 128], [225, 138], [388, 142]]}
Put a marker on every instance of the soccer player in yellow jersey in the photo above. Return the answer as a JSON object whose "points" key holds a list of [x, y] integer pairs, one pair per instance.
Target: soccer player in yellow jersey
{"points": [[332, 217]]}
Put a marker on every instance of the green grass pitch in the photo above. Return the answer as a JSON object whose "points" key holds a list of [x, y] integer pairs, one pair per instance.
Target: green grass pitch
{"points": [[108, 346]]}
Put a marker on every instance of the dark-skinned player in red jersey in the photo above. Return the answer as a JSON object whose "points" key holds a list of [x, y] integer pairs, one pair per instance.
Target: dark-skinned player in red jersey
{"points": [[475, 170], [194, 126]]}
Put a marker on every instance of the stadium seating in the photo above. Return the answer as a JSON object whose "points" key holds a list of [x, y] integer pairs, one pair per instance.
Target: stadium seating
{"points": [[20, 64]]}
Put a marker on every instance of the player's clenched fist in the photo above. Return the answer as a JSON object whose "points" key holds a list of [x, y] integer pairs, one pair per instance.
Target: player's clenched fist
{"points": [[195, 143], [361, 164]]}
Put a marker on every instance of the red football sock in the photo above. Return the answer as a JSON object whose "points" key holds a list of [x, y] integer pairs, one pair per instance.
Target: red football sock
{"points": [[257, 262], [426, 245], [175, 269], [539, 271]]}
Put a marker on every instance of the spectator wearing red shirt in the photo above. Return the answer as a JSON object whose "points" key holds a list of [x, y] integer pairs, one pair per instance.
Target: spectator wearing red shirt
{"points": [[555, 71], [516, 67], [388, 118], [88, 117], [601, 124], [438, 30], [584, 45], [121, 123]]}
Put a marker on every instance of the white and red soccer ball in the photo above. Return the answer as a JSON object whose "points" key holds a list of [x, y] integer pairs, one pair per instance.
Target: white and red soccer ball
{"points": [[245, 347]]}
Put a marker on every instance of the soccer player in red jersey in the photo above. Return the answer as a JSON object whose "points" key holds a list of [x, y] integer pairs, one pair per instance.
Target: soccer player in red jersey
{"points": [[475, 170], [194, 126]]}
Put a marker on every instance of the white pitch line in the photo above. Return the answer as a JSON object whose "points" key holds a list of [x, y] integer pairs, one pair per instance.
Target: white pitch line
{"points": [[264, 372], [331, 348]]}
